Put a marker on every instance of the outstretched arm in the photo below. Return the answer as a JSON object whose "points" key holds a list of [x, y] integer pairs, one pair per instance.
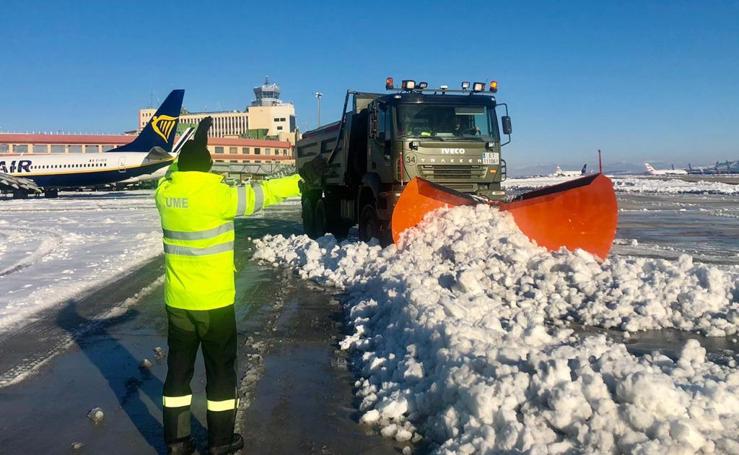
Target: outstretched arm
{"points": [[246, 200]]}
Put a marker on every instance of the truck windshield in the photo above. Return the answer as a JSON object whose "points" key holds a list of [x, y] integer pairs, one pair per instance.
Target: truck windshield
{"points": [[446, 121]]}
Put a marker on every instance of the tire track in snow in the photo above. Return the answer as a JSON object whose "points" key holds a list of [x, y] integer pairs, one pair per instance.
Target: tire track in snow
{"points": [[48, 244]]}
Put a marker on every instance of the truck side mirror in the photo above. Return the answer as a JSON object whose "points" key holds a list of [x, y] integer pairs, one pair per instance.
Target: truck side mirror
{"points": [[507, 128]]}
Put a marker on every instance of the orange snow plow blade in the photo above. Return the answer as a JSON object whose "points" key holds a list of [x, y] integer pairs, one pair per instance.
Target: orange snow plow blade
{"points": [[580, 213]]}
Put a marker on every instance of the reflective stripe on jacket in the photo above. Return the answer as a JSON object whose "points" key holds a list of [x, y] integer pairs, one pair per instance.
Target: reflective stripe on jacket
{"points": [[197, 211]]}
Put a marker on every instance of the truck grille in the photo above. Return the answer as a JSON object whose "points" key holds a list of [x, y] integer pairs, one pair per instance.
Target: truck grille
{"points": [[452, 171]]}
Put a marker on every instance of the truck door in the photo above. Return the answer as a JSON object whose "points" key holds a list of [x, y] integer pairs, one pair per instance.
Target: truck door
{"points": [[381, 146]]}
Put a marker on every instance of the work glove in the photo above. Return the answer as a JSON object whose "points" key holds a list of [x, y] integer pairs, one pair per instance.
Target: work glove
{"points": [[313, 170], [201, 134]]}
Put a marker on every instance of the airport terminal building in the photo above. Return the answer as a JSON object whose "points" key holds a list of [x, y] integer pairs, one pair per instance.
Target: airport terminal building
{"points": [[223, 150], [267, 117]]}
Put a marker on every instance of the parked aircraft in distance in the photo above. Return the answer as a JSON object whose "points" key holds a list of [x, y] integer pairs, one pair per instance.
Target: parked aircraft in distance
{"points": [[149, 151], [727, 167], [558, 172], [652, 171]]}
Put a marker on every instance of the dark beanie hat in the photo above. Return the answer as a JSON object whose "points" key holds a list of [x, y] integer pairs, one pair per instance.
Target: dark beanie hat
{"points": [[195, 155]]}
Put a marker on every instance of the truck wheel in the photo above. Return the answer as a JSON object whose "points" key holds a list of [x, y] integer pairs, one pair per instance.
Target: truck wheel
{"points": [[369, 223], [319, 221], [309, 216]]}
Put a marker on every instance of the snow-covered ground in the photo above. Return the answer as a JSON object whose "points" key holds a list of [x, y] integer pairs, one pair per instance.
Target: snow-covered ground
{"points": [[463, 338], [55, 249], [635, 185]]}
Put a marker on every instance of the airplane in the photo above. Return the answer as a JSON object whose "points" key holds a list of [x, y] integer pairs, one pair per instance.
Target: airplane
{"points": [[162, 171], [560, 173], [148, 152], [652, 171]]}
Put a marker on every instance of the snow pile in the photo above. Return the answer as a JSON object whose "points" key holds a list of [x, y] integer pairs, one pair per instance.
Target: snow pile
{"points": [[633, 185], [672, 186], [463, 338]]}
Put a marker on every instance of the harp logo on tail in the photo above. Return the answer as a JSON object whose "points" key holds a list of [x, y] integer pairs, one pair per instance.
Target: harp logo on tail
{"points": [[163, 124]]}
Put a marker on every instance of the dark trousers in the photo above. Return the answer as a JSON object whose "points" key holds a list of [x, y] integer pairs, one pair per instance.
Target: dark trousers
{"points": [[216, 331]]}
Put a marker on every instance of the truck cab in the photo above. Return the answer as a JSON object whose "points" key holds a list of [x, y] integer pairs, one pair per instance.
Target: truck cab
{"points": [[449, 139]]}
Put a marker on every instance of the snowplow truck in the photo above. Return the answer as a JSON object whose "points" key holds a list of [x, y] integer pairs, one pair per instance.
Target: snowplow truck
{"points": [[449, 137]]}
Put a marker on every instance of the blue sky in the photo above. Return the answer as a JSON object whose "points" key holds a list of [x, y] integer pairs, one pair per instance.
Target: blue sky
{"points": [[641, 80]]}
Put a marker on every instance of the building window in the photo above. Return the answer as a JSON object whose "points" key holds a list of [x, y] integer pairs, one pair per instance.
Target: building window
{"points": [[39, 148], [257, 151], [91, 149], [219, 149], [275, 119], [266, 151], [20, 148], [57, 148], [233, 150], [279, 128], [245, 150], [284, 152], [75, 149]]}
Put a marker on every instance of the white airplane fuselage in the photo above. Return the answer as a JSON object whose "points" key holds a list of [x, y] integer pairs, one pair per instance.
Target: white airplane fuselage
{"points": [[82, 169], [652, 171]]}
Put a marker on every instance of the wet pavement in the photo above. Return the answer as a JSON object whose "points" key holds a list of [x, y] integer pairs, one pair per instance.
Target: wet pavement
{"points": [[296, 387], [296, 390], [705, 226]]}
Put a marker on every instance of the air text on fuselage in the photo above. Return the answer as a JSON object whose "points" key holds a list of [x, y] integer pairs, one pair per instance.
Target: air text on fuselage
{"points": [[15, 166]]}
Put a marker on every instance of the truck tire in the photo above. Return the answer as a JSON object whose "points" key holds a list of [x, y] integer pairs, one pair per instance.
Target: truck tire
{"points": [[369, 223], [309, 217]]}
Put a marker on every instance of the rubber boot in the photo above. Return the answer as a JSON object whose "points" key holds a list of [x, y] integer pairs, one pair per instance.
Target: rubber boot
{"points": [[184, 446], [237, 443]]}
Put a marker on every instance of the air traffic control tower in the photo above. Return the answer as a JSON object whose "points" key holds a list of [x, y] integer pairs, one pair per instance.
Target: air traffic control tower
{"points": [[268, 112]]}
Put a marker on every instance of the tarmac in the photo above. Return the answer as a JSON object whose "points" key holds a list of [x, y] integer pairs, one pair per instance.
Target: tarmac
{"points": [[296, 387]]}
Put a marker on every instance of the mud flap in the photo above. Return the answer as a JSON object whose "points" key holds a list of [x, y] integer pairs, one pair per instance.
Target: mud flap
{"points": [[580, 213]]}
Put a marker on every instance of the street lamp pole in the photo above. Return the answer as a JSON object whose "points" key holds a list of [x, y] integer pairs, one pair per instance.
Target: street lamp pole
{"points": [[318, 96]]}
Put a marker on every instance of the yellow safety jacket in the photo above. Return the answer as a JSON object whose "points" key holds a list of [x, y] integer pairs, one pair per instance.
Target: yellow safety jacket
{"points": [[197, 211]]}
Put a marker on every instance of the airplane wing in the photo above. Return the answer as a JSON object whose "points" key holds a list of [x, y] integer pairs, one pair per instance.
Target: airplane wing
{"points": [[11, 183]]}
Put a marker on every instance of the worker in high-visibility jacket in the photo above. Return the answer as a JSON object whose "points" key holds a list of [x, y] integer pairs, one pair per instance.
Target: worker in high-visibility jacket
{"points": [[197, 211]]}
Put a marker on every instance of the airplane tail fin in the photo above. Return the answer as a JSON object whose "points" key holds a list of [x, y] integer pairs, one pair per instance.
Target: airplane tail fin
{"points": [[583, 171], [161, 129], [649, 167]]}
